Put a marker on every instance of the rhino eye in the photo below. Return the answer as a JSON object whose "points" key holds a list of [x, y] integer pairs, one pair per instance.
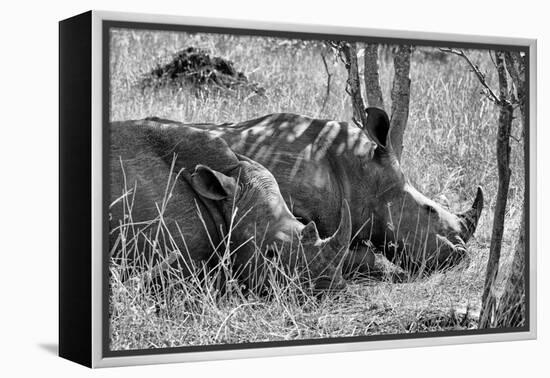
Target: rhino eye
{"points": [[430, 209]]}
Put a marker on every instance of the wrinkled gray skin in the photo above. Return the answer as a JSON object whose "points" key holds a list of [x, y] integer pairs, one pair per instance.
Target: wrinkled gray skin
{"points": [[320, 163], [210, 179]]}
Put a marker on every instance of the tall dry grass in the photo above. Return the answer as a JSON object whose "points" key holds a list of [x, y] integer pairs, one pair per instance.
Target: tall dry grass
{"points": [[449, 150]]}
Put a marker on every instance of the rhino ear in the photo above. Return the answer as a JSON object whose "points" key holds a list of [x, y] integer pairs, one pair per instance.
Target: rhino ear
{"points": [[378, 126], [212, 184]]}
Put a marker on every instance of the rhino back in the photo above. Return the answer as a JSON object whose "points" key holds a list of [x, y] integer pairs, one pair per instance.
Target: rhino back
{"points": [[140, 160], [317, 163]]}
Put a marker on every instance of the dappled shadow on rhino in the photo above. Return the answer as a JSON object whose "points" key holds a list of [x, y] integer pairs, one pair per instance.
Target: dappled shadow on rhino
{"points": [[320, 163], [184, 206]]}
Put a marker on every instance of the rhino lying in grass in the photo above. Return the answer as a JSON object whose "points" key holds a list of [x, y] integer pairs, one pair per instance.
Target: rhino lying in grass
{"points": [[182, 192], [320, 163]]}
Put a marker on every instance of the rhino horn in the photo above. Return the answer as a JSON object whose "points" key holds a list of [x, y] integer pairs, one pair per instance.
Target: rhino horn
{"points": [[470, 218], [340, 240]]}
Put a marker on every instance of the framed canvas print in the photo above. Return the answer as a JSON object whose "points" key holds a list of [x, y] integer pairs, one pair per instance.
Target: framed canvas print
{"points": [[234, 189]]}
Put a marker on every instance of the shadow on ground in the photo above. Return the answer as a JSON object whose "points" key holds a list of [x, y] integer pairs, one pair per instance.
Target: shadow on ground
{"points": [[51, 348]]}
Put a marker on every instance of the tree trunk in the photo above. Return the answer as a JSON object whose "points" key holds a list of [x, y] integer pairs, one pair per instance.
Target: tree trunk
{"points": [[329, 79], [400, 96], [510, 311], [353, 84], [488, 299], [511, 307], [516, 68], [372, 79]]}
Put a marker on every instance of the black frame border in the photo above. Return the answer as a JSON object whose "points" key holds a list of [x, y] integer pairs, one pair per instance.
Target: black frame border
{"points": [[75, 189]]}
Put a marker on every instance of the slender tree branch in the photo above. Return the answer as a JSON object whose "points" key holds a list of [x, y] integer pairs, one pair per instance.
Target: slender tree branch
{"points": [[511, 310], [400, 97], [488, 299], [372, 78], [353, 87], [516, 68], [480, 75], [400, 94], [329, 79]]}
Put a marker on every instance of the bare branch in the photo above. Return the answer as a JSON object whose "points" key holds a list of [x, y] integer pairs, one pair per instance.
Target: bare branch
{"points": [[372, 79], [502, 78], [353, 87], [475, 68], [488, 300], [516, 68], [400, 96], [511, 310], [329, 79]]}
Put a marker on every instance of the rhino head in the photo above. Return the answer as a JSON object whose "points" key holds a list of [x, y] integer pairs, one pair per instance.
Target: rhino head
{"points": [[258, 217], [413, 231]]}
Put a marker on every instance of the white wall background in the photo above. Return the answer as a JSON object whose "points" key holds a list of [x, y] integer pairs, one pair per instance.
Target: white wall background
{"points": [[28, 216]]}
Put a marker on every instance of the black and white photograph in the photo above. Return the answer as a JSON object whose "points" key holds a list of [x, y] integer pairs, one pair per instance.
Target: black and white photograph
{"points": [[277, 189]]}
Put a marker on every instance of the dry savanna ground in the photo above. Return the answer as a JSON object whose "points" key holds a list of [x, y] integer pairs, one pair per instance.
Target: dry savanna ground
{"points": [[449, 149]]}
